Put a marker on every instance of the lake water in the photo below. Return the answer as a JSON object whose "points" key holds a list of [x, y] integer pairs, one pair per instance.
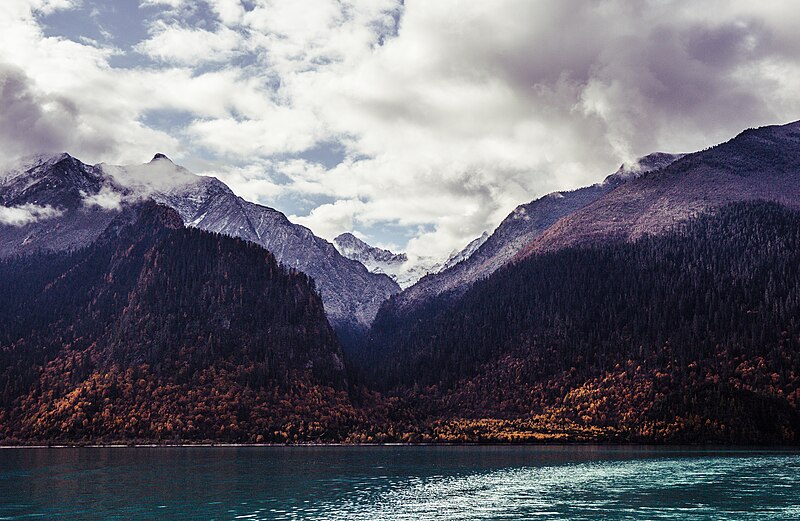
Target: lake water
{"points": [[415, 483]]}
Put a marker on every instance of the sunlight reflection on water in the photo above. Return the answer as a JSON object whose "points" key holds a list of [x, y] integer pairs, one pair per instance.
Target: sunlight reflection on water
{"points": [[740, 488]]}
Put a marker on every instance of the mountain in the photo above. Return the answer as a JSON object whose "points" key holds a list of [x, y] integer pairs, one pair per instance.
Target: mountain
{"points": [[758, 164], [59, 203], [688, 336], [372, 257], [376, 260], [400, 267], [660, 306], [517, 231], [160, 332], [466, 253]]}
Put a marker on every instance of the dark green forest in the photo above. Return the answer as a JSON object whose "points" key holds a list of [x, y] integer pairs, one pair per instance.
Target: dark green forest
{"points": [[705, 316]]}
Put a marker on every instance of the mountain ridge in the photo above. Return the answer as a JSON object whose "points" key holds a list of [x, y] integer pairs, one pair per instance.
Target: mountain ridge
{"points": [[85, 198], [402, 269], [659, 306], [684, 337], [517, 230], [756, 164]]}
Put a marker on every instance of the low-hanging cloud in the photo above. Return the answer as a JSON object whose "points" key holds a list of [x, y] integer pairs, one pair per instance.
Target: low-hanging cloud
{"points": [[27, 214], [107, 199]]}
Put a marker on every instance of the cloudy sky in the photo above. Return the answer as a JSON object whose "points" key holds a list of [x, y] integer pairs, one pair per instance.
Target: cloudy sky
{"points": [[418, 124]]}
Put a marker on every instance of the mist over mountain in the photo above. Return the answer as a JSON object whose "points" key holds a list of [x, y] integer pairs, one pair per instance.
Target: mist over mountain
{"points": [[402, 269]]}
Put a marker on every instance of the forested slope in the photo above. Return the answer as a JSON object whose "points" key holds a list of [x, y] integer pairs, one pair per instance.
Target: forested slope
{"points": [[688, 336], [159, 332]]}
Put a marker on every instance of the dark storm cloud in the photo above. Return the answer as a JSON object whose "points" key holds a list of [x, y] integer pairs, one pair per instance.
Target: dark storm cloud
{"points": [[30, 122], [642, 69], [34, 122]]}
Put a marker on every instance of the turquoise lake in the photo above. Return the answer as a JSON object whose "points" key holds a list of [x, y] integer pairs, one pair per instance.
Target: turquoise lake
{"points": [[414, 483]]}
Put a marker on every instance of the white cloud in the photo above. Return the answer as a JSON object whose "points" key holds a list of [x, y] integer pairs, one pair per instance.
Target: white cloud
{"points": [[51, 6], [26, 214], [277, 130], [328, 220], [475, 108], [250, 179], [448, 113], [230, 12], [141, 180], [169, 3], [185, 46], [76, 101]]}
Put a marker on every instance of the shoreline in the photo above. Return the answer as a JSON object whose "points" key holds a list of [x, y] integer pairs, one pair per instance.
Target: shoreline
{"points": [[697, 446]]}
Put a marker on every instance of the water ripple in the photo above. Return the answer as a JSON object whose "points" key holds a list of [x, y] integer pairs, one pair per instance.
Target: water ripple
{"points": [[409, 483]]}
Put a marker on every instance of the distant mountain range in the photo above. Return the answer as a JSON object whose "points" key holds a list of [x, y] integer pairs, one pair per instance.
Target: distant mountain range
{"points": [[406, 272], [57, 203], [147, 303]]}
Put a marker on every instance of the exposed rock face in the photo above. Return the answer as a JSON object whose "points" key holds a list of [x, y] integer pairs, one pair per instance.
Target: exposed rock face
{"points": [[466, 253], [376, 260], [525, 223], [76, 202]]}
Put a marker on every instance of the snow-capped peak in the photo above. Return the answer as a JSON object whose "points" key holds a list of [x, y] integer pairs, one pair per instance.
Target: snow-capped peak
{"points": [[354, 248], [406, 270], [159, 175]]}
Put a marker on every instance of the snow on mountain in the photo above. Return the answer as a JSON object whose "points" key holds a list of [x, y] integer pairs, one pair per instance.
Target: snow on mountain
{"points": [[375, 259], [43, 205], [466, 253], [422, 277], [86, 198], [404, 269], [643, 165]]}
